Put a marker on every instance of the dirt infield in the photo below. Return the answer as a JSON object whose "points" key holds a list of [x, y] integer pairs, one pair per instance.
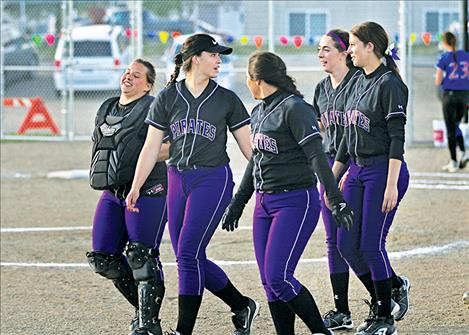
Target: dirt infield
{"points": [[70, 299]]}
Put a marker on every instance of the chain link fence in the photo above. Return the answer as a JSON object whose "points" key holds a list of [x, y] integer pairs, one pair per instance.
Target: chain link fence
{"points": [[58, 66]]}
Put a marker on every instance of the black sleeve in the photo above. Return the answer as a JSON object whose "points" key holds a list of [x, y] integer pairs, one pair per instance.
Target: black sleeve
{"points": [[246, 187], [342, 154], [314, 152], [301, 120], [157, 114], [394, 102], [317, 91], [238, 116], [396, 131]]}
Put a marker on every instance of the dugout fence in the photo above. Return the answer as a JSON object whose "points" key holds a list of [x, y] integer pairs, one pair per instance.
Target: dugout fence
{"points": [[31, 32]]}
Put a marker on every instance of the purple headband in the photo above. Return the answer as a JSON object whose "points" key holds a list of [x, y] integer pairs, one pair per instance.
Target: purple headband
{"points": [[338, 39]]}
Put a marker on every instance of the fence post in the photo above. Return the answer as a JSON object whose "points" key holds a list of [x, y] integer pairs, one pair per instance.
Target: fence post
{"points": [[2, 82]]}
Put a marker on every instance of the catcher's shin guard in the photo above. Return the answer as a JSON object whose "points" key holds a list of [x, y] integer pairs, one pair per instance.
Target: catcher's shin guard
{"points": [[147, 272], [116, 268]]}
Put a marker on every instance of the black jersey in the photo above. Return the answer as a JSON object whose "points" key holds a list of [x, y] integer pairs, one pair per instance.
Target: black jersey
{"points": [[329, 104], [118, 137], [197, 126], [375, 116], [279, 129]]}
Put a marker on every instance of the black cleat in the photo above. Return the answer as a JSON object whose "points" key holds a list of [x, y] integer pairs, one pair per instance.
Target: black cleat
{"points": [[373, 314], [337, 320], [401, 296], [380, 326], [244, 318]]}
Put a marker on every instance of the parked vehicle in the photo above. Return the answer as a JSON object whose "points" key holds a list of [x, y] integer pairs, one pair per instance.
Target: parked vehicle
{"points": [[100, 54], [18, 51], [151, 23], [226, 77]]}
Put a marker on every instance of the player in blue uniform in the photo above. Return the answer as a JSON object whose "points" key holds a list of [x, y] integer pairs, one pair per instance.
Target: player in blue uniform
{"points": [[197, 113], [118, 136], [378, 178], [287, 151], [452, 73], [329, 102]]}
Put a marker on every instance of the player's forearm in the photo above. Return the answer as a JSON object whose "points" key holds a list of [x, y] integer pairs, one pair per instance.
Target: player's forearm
{"points": [[148, 157], [393, 172], [241, 136], [164, 152]]}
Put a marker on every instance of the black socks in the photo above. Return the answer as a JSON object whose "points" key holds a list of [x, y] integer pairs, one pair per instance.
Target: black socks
{"points": [[339, 283], [383, 293], [232, 297], [283, 317], [368, 282], [188, 309], [304, 306]]}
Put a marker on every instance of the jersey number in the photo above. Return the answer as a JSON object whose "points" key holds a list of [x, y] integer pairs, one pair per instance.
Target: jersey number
{"points": [[454, 73]]}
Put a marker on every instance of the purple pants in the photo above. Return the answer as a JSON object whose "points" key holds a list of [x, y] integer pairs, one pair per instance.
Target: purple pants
{"points": [[196, 202], [336, 263], [364, 246], [283, 224], [114, 226]]}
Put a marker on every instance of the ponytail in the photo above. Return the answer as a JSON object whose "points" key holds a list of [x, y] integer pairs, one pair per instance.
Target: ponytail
{"points": [[178, 62], [269, 67], [288, 85], [391, 65]]}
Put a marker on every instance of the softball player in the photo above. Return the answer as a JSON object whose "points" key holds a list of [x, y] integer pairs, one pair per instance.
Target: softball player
{"points": [[287, 150], [329, 102], [452, 73], [119, 133], [196, 112], [378, 177]]}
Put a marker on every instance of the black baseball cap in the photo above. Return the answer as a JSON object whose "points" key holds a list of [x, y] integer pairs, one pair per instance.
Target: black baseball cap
{"points": [[204, 42]]}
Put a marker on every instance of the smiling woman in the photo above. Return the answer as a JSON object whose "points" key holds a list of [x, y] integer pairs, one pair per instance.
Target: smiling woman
{"points": [[119, 134], [197, 112]]}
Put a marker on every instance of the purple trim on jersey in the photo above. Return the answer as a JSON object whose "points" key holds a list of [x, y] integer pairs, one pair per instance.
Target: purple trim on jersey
{"points": [[364, 246], [196, 120], [310, 135], [156, 125], [337, 264], [283, 224], [395, 114], [178, 89], [196, 202], [240, 124], [258, 130]]}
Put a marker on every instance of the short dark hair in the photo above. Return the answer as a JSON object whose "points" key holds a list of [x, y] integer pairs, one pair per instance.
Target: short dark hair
{"points": [[151, 73]]}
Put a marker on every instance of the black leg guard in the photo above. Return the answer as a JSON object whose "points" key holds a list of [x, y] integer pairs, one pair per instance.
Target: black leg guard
{"points": [[116, 268], [147, 272]]}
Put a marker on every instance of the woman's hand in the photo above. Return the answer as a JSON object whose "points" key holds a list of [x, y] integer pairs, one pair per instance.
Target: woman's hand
{"points": [[342, 181], [131, 200], [390, 199]]}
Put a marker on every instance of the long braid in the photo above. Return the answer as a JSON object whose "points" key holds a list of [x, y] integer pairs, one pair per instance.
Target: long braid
{"points": [[178, 62]]}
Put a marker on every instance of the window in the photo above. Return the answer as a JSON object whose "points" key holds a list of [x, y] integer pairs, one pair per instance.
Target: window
{"points": [[297, 24], [307, 24], [92, 49], [318, 24], [437, 21]]}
